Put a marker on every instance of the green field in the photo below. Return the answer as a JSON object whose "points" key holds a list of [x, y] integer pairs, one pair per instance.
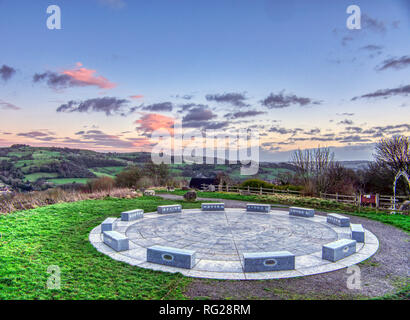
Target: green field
{"points": [[57, 235], [40, 175], [69, 181], [107, 171]]}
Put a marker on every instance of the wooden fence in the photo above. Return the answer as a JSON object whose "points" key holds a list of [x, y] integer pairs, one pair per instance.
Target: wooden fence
{"points": [[381, 201]]}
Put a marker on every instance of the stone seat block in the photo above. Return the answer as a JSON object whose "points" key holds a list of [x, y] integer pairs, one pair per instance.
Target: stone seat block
{"points": [[169, 256], [357, 232], [213, 206], [132, 215], [108, 225], [268, 261], [169, 209], [339, 249], [116, 240], [255, 207], [338, 220], [301, 212]]}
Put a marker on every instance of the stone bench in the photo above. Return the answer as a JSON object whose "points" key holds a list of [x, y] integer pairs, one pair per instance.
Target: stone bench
{"points": [[169, 209], [268, 261], [301, 212], [338, 220], [357, 232], [149, 193], [132, 215], [116, 240], [108, 224], [174, 257], [213, 206], [339, 249], [253, 207]]}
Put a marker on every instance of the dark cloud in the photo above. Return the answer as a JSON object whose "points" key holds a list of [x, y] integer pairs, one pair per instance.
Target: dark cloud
{"points": [[56, 81], [346, 121], [6, 72], [372, 47], [8, 106], [245, 114], [205, 125], [280, 100], [235, 99], [200, 113], [373, 24], [347, 114], [108, 105], [394, 63], [158, 107], [33, 134], [284, 131], [386, 93]]}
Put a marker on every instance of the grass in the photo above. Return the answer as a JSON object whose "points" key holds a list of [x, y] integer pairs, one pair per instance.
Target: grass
{"points": [[69, 180], [33, 240], [107, 171], [40, 175]]}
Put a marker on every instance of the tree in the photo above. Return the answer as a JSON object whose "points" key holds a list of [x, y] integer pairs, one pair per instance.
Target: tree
{"points": [[394, 153], [129, 177], [312, 166]]}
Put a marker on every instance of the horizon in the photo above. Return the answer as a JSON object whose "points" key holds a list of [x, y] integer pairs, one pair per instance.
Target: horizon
{"points": [[118, 70]]}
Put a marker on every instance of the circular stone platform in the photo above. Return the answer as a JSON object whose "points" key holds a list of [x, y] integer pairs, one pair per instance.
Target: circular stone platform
{"points": [[220, 238]]}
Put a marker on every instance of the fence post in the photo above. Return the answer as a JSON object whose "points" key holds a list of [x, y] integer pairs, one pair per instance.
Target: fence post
{"points": [[220, 188], [260, 191], [360, 199], [337, 197], [248, 189], [377, 200], [227, 188]]}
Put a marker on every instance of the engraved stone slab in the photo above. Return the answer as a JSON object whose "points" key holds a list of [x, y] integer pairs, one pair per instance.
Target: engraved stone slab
{"points": [[254, 207], [174, 208], [357, 232], [108, 225], [338, 220], [132, 215], [339, 249], [213, 206], [301, 212], [169, 256], [268, 261], [116, 240]]}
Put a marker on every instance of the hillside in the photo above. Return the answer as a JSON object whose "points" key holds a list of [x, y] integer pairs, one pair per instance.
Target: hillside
{"points": [[26, 168]]}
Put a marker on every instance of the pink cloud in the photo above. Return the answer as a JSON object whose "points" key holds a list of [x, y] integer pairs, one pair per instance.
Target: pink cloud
{"points": [[154, 121], [86, 77], [137, 96]]}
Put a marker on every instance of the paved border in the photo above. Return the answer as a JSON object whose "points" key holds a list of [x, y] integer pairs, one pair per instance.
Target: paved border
{"points": [[309, 264]]}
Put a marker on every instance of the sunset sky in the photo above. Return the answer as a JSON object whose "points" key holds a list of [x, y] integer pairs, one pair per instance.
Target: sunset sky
{"points": [[119, 69]]}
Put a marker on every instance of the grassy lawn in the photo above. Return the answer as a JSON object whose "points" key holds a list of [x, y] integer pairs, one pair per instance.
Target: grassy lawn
{"points": [[38, 175], [33, 240], [399, 221]]}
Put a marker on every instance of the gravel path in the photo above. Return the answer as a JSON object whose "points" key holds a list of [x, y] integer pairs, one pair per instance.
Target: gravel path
{"points": [[381, 274]]}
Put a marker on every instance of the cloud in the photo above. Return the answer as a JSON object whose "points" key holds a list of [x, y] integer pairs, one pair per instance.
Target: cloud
{"points": [[386, 93], [372, 47], [108, 105], [346, 121], [245, 114], [206, 125], [76, 77], [8, 106], [32, 134], [200, 113], [158, 107], [284, 131], [280, 100], [7, 72], [235, 99], [395, 63], [153, 121], [137, 96], [373, 24]]}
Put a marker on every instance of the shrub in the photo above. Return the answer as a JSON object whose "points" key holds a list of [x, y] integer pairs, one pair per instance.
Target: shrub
{"points": [[101, 184], [128, 178]]}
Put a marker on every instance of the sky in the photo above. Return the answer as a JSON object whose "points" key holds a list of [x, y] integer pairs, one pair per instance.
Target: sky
{"points": [[119, 69]]}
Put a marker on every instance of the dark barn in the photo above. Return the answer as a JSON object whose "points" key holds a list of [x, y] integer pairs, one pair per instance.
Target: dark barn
{"points": [[197, 183]]}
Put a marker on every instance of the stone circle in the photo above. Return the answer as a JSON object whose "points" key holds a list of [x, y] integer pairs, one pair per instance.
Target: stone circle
{"points": [[220, 238]]}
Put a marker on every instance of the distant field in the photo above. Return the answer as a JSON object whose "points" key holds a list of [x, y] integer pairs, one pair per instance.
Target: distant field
{"points": [[40, 175], [69, 180], [107, 171]]}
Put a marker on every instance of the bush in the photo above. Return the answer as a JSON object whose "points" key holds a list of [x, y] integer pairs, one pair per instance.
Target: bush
{"points": [[256, 183], [128, 178], [101, 184]]}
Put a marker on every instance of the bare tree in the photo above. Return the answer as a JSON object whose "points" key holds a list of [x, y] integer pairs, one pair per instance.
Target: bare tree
{"points": [[394, 153], [312, 166]]}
